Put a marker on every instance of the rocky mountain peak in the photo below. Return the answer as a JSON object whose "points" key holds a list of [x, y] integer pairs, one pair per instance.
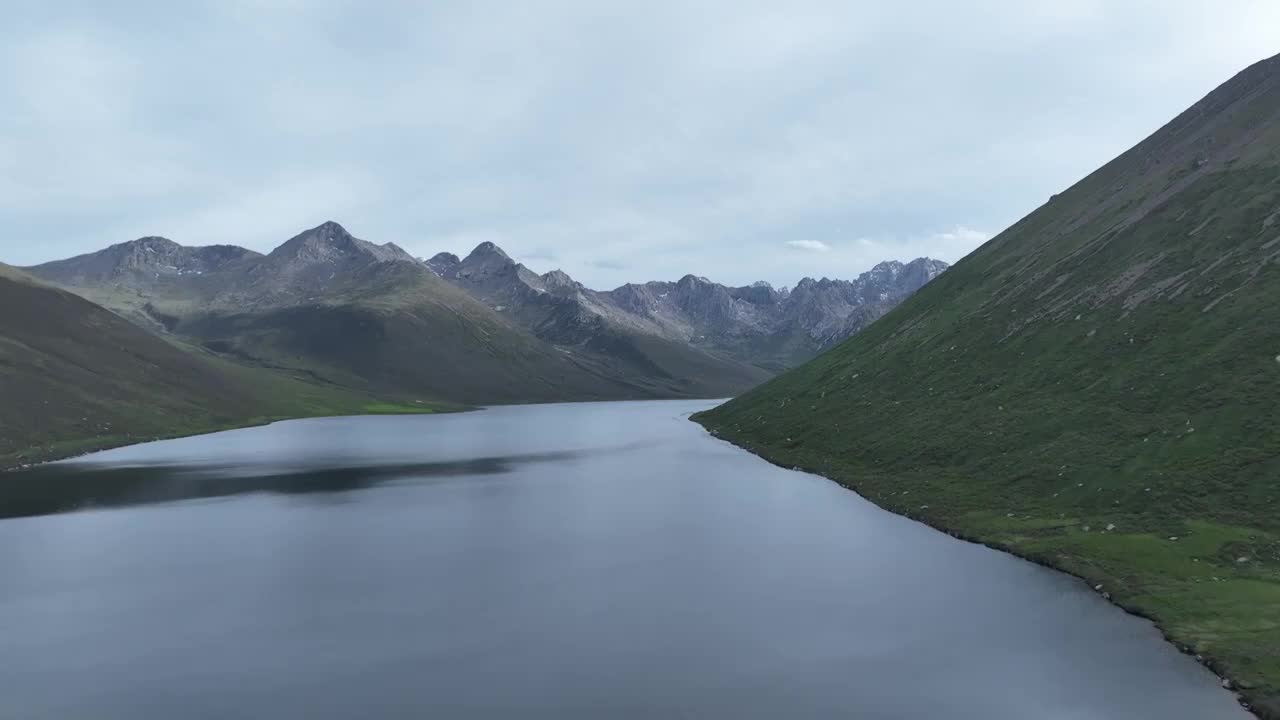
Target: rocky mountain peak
{"points": [[332, 228], [888, 267], [150, 242], [329, 235], [148, 254], [559, 279], [140, 262], [443, 263], [693, 282], [485, 262], [922, 270], [759, 293], [330, 243], [772, 326], [486, 250]]}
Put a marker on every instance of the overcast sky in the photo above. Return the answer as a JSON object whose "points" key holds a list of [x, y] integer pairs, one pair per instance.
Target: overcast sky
{"points": [[619, 141]]}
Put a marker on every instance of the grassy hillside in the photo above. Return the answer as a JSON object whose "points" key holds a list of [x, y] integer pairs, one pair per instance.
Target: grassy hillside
{"points": [[398, 328], [669, 368], [1097, 388], [75, 377]]}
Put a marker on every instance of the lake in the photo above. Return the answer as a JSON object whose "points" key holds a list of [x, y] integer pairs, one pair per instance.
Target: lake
{"points": [[555, 561]]}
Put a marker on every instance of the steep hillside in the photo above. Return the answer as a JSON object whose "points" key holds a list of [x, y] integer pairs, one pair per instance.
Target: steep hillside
{"points": [[74, 377], [1097, 388]]}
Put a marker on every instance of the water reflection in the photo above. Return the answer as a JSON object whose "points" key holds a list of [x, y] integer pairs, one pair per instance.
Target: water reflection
{"points": [[68, 487], [574, 561]]}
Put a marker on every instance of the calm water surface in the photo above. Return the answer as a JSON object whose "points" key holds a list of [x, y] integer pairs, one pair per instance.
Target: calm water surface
{"points": [[560, 561]]}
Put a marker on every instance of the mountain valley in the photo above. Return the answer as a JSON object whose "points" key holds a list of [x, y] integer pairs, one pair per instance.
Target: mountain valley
{"points": [[483, 329]]}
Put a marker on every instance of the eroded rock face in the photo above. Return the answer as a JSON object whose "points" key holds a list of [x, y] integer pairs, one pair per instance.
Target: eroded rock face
{"points": [[330, 243], [141, 261], [758, 324], [443, 263]]}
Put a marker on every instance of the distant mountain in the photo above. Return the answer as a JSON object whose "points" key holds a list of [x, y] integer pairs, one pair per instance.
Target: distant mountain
{"points": [[483, 328], [1097, 387], [443, 263], [372, 317], [142, 261], [560, 311], [755, 325], [125, 276], [77, 377]]}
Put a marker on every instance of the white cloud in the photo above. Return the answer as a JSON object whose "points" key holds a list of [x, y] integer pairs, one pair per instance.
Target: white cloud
{"points": [[964, 236], [953, 244], [667, 137], [810, 245]]}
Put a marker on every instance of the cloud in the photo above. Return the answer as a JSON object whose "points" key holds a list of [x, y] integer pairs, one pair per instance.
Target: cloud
{"points": [[606, 264], [809, 245], [952, 244], [964, 236], [666, 137], [540, 254]]}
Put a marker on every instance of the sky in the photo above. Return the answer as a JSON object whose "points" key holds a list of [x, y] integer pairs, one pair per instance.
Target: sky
{"points": [[619, 141]]}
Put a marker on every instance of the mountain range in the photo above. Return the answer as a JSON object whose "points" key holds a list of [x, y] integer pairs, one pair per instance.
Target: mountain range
{"points": [[756, 324], [483, 329], [1097, 388]]}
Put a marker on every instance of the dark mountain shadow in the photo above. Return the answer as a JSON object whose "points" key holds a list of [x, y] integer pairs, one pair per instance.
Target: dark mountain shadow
{"points": [[70, 487]]}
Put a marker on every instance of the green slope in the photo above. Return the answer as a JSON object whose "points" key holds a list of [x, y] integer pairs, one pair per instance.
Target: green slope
{"points": [[75, 377], [400, 329], [1097, 388], [670, 369]]}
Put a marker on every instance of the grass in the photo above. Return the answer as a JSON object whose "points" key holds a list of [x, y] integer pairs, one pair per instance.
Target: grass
{"points": [[387, 408], [1215, 590], [1110, 361], [74, 446], [294, 400], [76, 378]]}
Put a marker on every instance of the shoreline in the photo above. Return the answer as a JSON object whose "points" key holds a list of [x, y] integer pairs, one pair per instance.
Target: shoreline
{"points": [[1205, 660], [90, 446], [1211, 664]]}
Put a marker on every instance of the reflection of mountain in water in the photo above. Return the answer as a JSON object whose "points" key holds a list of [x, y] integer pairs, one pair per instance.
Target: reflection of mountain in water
{"points": [[67, 487]]}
